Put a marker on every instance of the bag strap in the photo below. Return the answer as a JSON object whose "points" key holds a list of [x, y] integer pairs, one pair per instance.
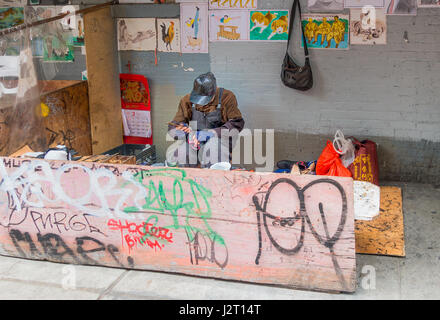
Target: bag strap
{"points": [[292, 19]]}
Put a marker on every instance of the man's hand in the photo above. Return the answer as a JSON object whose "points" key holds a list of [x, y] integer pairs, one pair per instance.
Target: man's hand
{"points": [[183, 128]]}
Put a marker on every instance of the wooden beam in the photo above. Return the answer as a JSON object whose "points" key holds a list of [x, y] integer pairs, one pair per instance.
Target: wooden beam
{"points": [[293, 231], [103, 80]]}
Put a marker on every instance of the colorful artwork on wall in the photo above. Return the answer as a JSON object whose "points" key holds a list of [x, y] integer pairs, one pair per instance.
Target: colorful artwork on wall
{"points": [[228, 25], [137, 34], [325, 5], [194, 27], [269, 25], [58, 48], [428, 3], [326, 31], [364, 3], [232, 4], [11, 17], [168, 35], [13, 3], [401, 7], [368, 26]]}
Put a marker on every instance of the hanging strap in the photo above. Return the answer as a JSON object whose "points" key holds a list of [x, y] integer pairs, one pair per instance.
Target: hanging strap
{"points": [[292, 19]]}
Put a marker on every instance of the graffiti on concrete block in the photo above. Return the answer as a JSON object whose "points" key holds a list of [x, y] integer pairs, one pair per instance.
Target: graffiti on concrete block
{"points": [[263, 228]]}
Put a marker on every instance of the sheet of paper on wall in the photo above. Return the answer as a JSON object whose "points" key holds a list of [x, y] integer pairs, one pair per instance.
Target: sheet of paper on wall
{"points": [[13, 3], [364, 3], [11, 17], [325, 5], [73, 24], [428, 4], [401, 7], [368, 26], [228, 25], [232, 4], [168, 35], [194, 27], [137, 34], [269, 25], [136, 123], [136, 1], [326, 31]]}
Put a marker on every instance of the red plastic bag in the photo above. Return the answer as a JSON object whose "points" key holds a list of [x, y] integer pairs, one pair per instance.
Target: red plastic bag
{"points": [[365, 166], [329, 163]]}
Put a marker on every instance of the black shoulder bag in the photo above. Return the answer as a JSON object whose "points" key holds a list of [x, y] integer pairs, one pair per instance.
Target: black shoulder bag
{"points": [[292, 75]]}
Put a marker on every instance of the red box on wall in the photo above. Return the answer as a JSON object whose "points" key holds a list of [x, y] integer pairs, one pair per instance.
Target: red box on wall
{"points": [[136, 109]]}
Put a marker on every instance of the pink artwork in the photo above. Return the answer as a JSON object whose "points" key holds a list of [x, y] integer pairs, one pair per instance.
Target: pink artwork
{"points": [[295, 231]]}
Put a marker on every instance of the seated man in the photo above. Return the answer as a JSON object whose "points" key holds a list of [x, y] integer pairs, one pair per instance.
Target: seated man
{"points": [[201, 119]]}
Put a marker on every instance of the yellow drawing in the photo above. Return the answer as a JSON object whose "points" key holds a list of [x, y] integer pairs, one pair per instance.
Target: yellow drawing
{"points": [[228, 32], [337, 32], [234, 5], [323, 29], [310, 29], [193, 43], [262, 21], [279, 26]]}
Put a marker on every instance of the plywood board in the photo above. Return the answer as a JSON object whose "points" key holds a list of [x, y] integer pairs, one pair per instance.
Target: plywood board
{"points": [[383, 235], [67, 119], [294, 231], [103, 78]]}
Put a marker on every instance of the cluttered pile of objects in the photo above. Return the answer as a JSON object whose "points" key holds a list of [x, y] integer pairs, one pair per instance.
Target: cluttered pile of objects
{"points": [[123, 154]]}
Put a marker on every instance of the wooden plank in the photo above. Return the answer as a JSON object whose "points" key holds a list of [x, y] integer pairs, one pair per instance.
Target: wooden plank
{"points": [[103, 79], [66, 121], [384, 235], [294, 231]]}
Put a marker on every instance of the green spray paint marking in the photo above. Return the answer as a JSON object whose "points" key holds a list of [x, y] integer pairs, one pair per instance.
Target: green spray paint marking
{"points": [[161, 200]]}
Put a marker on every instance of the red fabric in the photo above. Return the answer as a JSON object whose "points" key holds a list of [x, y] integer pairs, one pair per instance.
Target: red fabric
{"points": [[365, 166], [329, 163]]}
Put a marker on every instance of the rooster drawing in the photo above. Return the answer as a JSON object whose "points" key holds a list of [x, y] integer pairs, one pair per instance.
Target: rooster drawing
{"points": [[168, 35]]}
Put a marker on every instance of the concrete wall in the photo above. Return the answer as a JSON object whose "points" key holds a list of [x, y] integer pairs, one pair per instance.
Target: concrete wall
{"points": [[386, 93]]}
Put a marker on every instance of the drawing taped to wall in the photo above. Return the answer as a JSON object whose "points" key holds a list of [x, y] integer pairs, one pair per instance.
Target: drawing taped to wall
{"points": [[326, 31], [428, 3], [168, 36], [325, 5], [232, 4], [13, 3], [364, 3], [269, 25], [368, 26], [194, 27], [11, 17], [58, 48], [137, 34], [228, 25], [401, 7]]}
